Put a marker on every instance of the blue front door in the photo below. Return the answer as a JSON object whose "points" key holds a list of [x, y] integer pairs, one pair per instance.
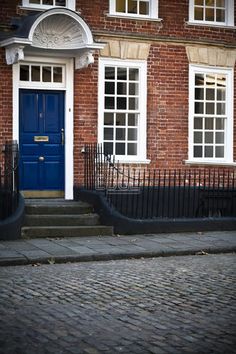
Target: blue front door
{"points": [[41, 140]]}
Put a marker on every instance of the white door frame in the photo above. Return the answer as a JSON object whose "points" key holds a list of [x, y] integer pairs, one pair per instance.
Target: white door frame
{"points": [[68, 88]]}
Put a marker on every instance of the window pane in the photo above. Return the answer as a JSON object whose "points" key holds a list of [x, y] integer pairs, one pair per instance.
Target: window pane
{"points": [[34, 1], [121, 88], [132, 149], [121, 103], [108, 119], [210, 80], [132, 120], [209, 123], [132, 134], [133, 103], [199, 107], [120, 148], [24, 72], [198, 13], [60, 3], [133, 89], [48, 2], [209, 3], [143, 8], [57, 74], [108, 134], [221, 81], [121, 74], [197, 151], [197, 123], [209, 15], [198, 2], [109, 103], [120, 134], [47, 73], [220, 138], [221, 94], [197, 137], [109, 87], [220, 15], [110, 73], [220, 3], [219, 151], [132, 7], [210, 94], [120, 5], [209, 138], [35, 73], [199, 79], [210, 108], [221, 108], [133, 74], [220, 124], [199, 93], [120, 119], [208, 151], [108, 148]]}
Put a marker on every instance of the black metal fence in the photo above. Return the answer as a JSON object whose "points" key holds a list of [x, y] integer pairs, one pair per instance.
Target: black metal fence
{"points": [[146, 194], [9, 186]]}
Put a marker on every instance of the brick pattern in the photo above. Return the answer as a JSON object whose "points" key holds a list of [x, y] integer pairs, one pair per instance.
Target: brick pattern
{"points": [[167, 109], [6, 99]]}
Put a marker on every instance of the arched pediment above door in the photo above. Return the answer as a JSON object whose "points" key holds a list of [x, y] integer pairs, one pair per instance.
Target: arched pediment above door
{"points": [[56, 31]]}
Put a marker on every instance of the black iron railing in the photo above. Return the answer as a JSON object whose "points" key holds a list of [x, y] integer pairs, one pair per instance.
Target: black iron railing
{"points": [[147, 194], [9, 186]]}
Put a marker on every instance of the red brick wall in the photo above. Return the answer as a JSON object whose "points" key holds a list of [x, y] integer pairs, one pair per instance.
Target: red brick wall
{"points": [[5, 99], [167, 116], [173, 13], [167, 109]]}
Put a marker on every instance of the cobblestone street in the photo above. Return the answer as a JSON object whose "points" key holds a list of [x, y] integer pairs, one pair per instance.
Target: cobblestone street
{"points": [[172, 305]]}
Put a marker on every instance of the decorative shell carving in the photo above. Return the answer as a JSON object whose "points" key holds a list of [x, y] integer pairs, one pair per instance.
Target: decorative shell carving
{"points": [[58, 32]]}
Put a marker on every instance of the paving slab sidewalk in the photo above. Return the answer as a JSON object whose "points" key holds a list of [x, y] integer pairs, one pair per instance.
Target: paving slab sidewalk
{"points": [[84, 249]]}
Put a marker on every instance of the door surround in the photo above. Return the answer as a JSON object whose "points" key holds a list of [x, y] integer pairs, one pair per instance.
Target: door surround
{"points": [[68, 88]]}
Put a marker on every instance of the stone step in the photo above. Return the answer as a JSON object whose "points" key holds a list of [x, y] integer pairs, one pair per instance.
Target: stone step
{"points": [[56, 207], [62, 220], [63, 231]]}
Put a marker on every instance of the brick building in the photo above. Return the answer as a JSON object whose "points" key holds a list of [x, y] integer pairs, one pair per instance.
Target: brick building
{"points": [[152, 80]]}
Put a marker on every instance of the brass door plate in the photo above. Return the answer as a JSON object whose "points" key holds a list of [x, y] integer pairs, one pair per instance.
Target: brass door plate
{"points": [[41, 138]]}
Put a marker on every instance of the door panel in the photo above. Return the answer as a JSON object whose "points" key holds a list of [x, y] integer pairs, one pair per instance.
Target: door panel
{"points": [[41, 162]]}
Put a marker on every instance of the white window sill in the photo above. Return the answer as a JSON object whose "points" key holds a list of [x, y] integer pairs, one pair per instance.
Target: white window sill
{"points": [[209, 24], [213, 163], [133, 17], [29, 8], [145, 161]]}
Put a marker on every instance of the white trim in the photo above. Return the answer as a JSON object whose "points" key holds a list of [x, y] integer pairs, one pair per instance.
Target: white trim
{"points": [[190, 162], [70, 4], [142, 127], [153, 9], [228, 72], [69, 111], [229, 16]]}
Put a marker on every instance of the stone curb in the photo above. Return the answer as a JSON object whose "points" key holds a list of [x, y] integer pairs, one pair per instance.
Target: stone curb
{"points": [[23, 260]]}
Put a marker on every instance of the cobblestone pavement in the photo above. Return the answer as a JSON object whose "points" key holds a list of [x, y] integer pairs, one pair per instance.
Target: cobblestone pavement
{"points": [[171, 305]]}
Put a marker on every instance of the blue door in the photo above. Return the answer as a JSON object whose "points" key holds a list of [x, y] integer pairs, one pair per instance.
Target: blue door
{"points": [[41, 140]]}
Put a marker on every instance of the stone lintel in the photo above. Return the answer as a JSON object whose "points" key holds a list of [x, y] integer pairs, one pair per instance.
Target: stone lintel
{"points": [[211, 56], [125, 50]]}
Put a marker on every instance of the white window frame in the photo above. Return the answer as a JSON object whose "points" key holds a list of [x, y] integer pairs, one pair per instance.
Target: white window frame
{"points": [[70, 4], [141, 143], [228, 158], [229, 15], [41, 83], [153, 11]]}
